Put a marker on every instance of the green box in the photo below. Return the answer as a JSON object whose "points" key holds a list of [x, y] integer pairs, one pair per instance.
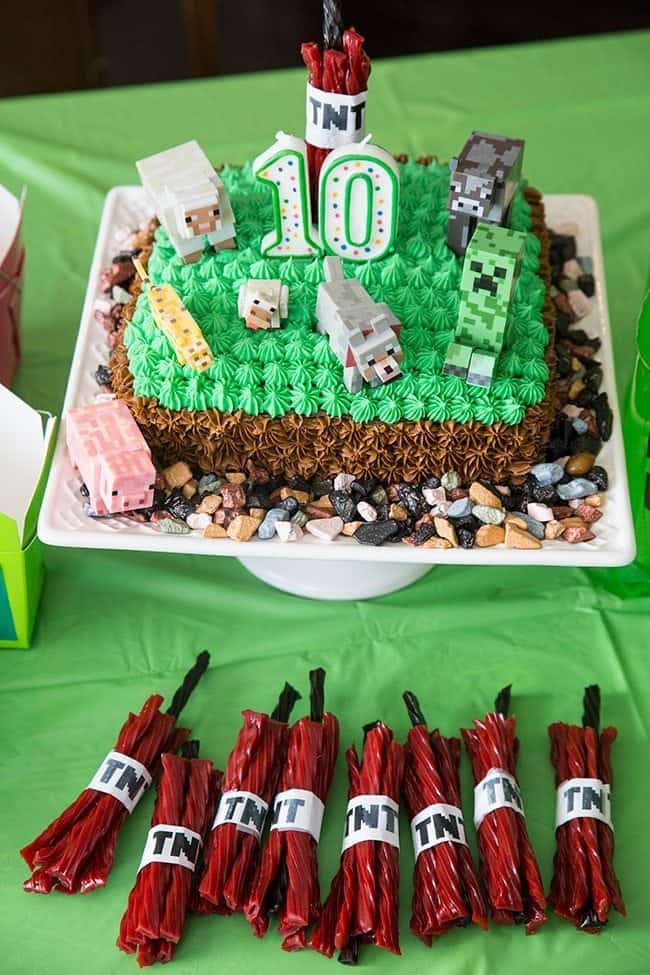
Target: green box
{"points": [[26, 442]]}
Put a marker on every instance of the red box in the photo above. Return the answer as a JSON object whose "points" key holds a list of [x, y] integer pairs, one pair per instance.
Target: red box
{"points": [[12, 265]]}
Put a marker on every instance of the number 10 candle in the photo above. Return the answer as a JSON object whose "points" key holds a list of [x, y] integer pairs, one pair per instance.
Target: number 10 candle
{"points": [[358, 201]]}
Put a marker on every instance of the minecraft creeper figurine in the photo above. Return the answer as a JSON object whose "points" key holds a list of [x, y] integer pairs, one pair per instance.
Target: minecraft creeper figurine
{"points": [[490, 271]]}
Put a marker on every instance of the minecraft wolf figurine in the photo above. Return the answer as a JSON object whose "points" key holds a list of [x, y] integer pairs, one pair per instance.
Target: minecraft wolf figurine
{"points": [[363, 334], [189, 199], [483, 182], [490, 272]]}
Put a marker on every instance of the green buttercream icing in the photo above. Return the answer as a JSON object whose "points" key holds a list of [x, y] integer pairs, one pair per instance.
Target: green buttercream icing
{"points": [[436, 408], [294, 368], [250, 399], [305, 401], [276, 401], [362, 409], [335, 401], [389, 410], [510, 411]]}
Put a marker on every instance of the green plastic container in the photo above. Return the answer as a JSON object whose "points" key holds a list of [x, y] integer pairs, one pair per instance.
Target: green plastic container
{"points": [[636, 432]]}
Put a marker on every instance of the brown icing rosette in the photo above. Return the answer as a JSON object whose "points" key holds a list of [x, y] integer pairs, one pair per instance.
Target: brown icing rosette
{"points": [[322, 446]]}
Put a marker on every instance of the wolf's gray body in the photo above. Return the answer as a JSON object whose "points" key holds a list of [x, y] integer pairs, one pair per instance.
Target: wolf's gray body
{"points": [[363, 334]]}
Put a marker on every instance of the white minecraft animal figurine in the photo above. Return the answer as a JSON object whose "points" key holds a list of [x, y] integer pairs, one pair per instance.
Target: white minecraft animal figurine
{"points": [[263, 302], [189, 199], [363, 333]]}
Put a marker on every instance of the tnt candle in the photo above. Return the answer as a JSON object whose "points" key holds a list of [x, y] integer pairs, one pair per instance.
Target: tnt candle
{"points": [[284, 167], [359, 202]]}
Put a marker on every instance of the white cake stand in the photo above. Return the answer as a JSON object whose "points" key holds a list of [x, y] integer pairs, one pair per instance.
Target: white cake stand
{"points": [[342, 569]]}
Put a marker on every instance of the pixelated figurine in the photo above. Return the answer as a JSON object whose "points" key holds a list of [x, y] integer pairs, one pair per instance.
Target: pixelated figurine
{"points": [[107, 448], [175, 322], [189, 199], [263, 302], [363, 333], [490, 272], [483, 182]]}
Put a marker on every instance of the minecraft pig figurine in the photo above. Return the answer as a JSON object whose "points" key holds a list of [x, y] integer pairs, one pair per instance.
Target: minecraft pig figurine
{"points": [[189, 199], [484, 179], [363, 334], [106, 446], [263, 303], [490, 272]]}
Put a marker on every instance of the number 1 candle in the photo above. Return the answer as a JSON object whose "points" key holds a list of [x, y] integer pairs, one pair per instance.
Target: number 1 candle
{"points": [[284, 167]]}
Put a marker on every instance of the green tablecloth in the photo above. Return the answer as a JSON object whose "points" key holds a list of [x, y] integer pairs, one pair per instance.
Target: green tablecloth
{"points": [[114, 627]]}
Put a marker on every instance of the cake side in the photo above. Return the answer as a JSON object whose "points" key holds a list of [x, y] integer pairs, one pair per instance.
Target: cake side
{"points": [[322, 445]]}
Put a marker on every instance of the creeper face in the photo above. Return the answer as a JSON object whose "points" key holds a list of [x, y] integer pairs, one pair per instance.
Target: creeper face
{"points": [[488, 281], [490, 272]]}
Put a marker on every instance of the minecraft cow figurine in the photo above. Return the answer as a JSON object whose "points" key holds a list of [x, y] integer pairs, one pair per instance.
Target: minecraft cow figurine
{"points": [[189, 199], [484, 179], [263, 303], [490, 272], [363, 334]]}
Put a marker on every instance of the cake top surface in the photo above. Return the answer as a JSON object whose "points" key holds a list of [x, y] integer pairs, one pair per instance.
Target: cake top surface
{"points": [[293, 368]]}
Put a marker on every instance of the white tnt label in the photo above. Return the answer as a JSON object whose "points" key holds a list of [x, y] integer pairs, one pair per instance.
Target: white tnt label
{"points": [[171, 844], [298, 809], [438, 823], [497, 790], [334, 120], [244, 809], [121, 777], [583, 799], [371, 818]]}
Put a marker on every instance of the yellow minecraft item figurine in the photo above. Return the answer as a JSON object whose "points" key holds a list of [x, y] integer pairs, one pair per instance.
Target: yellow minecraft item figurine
{"points": [[176, 323]]}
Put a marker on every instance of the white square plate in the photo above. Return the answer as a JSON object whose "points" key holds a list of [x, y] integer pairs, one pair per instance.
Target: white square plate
{"points": [[63, 523]]}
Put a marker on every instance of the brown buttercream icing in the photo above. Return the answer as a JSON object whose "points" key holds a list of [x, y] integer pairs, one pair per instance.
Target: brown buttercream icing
{"points": [[322, 445]]}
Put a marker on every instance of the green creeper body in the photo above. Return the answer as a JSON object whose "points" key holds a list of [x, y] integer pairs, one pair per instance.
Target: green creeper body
{"points": [[490, 271]]}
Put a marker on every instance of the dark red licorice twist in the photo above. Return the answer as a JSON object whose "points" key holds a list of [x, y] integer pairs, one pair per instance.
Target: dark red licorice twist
{"points": [[508, 863], [153, 921], [363, 902], [446, 892], [287, 878], [343, 67], [584, 886], [233, 847], [75, 853]]}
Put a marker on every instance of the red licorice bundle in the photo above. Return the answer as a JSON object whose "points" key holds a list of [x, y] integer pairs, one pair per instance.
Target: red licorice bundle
{"points": [[584, 886], [153, 921], [508, 863], [446, 891], [287, 879], [363, 902], [254, 767], [343, 71], [75, 853]]}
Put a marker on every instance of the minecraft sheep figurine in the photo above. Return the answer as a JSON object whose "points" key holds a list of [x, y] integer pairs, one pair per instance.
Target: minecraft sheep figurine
{"points": [[263, 303], [189, 199], [363, 334], [490, 272], [484, 179]]}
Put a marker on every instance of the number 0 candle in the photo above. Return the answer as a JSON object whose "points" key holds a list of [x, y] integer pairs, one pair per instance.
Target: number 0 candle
{"points": [[359, 202], [284, 167]]}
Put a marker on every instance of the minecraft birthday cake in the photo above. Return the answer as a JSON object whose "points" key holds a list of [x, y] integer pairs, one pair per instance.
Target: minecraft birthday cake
{"points": [[374, 373], [334, 339]]}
